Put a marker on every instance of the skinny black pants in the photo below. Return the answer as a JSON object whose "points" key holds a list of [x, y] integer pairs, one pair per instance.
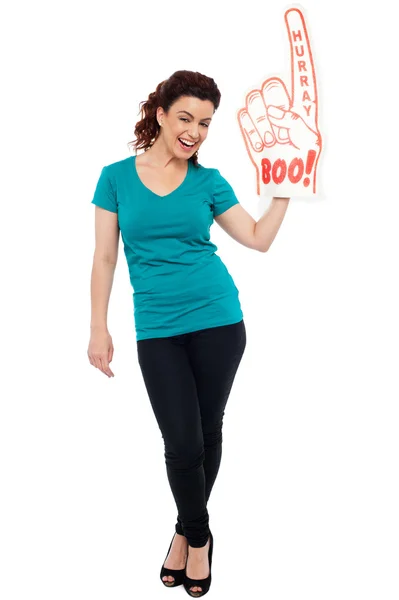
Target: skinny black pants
{"points": [[188, 378]]}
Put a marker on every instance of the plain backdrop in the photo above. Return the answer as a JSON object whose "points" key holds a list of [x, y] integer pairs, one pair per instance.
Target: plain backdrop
{"points": [[305, 504]]}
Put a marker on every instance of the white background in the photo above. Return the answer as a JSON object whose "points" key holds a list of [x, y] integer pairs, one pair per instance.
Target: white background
{"points": [[305, 504]]}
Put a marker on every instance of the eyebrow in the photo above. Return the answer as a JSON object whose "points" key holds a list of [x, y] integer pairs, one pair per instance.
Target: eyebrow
{"points": [[190, 115]]}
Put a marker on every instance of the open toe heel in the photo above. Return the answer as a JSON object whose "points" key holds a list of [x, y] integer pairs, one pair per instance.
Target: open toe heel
{"points": [[204, 584], [178, 574]]}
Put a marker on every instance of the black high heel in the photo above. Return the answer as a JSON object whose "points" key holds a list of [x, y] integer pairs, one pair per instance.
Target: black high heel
{"points": [[178, 574], [204, 584]]}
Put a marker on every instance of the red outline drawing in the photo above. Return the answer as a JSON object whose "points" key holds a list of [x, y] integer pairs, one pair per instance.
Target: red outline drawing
{"points": [[280, 130]]}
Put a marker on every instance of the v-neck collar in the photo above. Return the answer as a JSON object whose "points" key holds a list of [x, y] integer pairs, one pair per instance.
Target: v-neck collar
{"points": [[178, 189]]}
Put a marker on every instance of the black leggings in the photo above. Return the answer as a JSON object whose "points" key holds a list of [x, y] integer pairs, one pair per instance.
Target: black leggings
{"points": [[188, 379]]}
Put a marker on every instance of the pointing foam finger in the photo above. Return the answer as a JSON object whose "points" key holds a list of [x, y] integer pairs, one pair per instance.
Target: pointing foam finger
{"points": [[303, 77]]}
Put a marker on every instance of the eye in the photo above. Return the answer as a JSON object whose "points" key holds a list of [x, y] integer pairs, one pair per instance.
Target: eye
{"points": [[183, 119]]}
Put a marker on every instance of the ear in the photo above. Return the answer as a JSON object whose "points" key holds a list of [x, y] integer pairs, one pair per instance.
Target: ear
{"points": [[159, 114]]}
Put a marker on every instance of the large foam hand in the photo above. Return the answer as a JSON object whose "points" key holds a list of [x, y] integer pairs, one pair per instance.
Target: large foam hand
{"points": [[280, 130]]}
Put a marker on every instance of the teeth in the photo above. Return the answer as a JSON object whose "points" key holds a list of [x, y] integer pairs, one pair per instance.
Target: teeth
{"points": [[187, 142]]}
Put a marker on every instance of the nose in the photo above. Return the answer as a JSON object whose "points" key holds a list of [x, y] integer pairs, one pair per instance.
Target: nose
{"points": [[194, 133]]}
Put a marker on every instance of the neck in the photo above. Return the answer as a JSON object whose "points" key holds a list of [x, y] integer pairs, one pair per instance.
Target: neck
{"points": [[161, 157]]}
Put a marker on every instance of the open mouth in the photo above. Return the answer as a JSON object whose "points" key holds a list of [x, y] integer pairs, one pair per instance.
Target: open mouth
{"points": [[186, 145]]}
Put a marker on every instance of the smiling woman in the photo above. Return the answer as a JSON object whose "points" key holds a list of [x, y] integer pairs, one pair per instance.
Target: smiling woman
{"points": [[183, 106], [189, 323]]}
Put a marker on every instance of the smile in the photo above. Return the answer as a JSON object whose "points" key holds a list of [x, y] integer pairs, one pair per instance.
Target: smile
{"points": [[186, 143]]}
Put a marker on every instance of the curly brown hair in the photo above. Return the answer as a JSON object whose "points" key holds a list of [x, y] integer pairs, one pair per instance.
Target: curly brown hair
{"points": [[181, 83]]}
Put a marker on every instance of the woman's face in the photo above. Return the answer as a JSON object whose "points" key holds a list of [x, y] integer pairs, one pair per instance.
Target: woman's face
{"points": [[188, 119]]}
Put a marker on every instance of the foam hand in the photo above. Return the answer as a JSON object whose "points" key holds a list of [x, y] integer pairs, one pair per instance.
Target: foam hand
{"points": [[279, 128]]}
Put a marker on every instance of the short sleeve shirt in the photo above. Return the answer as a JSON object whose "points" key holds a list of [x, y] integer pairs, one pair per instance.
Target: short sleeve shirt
{"points": [[180, 284]]}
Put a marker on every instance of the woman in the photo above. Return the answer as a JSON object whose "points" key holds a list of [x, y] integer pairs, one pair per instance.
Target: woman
{"points": [[189, 323]]}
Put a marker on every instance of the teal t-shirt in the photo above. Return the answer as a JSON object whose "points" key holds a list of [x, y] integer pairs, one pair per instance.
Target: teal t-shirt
{"points": [[180, 284]]}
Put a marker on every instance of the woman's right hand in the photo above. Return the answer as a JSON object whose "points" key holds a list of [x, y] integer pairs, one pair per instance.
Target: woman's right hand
{"points": [[101, 350]]}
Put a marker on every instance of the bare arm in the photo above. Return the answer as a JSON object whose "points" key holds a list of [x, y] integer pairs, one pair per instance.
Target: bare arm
{"points": [[102, 277], [104, 264], [268, 225], [258, 235]]}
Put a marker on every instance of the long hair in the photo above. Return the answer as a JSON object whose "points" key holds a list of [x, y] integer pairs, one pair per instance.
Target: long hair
{"points": [[181, 83]]}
